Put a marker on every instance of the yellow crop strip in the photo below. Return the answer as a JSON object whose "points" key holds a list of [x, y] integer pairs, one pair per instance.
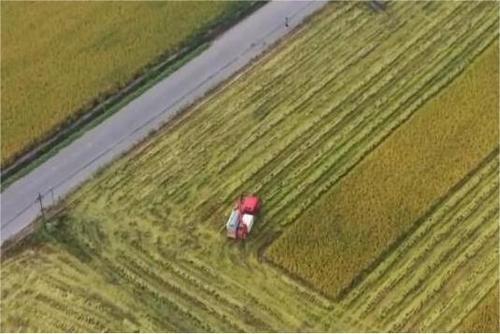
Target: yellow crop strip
{"points": [[57, 57], [331, 244], [440, 272]]}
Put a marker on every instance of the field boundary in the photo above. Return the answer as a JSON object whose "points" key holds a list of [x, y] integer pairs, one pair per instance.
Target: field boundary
{"points": [[359, 278], [416, 223], [434, 206], [261, 252], [53, 210], [294, 277], [110, 102]]}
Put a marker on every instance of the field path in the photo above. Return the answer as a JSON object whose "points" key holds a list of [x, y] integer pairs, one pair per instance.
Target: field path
{"points": [[78, 161]]}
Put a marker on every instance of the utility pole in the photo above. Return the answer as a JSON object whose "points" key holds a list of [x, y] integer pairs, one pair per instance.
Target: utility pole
{"points": [[41, 205]]}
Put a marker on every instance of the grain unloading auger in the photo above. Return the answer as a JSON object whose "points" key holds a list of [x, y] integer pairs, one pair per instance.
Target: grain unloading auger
{"points": [[243, 217]]}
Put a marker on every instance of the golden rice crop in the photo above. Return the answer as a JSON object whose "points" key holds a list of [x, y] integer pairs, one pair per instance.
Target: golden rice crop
{"points": [[59, 56], [350, 227], [441, 270]]}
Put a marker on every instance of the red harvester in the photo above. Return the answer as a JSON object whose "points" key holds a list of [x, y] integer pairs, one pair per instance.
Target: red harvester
{"points": [[242, 217]]}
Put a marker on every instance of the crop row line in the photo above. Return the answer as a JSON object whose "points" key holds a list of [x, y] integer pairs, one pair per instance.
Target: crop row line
{"points": [[416, 99], [482, 277], [184, 183], [473, 186], [445, 233], [319, 120], [434, 266], [217, 296]]}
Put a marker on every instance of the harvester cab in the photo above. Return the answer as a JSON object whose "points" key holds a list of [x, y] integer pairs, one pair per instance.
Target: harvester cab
{"points": [[242, 217]]}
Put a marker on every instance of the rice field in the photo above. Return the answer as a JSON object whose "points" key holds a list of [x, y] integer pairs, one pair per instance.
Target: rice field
{"points": [[140, 247], [439, 273], [378, 202], [58, 58]]}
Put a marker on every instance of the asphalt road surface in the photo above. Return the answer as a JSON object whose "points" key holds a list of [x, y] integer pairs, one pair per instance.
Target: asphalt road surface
{"points": [[117, 134]]}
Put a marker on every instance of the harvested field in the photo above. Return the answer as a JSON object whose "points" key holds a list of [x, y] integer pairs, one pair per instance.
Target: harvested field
{"points": [[350, 227], [52, 68], [140, 248]]}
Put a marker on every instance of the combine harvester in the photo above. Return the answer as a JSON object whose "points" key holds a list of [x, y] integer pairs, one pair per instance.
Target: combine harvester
{"points": [[243, 217]]}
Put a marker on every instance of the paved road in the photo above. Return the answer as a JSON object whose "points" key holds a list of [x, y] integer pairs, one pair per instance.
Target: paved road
{"points": [[78, 161]]}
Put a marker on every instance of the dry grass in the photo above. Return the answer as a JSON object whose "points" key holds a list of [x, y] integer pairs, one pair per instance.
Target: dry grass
{"points": [[376, 203], [57, 57]]}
